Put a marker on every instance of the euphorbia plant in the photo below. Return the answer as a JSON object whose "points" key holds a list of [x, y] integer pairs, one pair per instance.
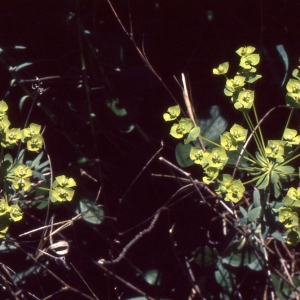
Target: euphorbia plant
{"points": [[270, 165], [16, 176]]}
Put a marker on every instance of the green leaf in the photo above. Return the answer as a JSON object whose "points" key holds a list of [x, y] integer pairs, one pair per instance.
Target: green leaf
{"points": [[120, 112], [254, 214], [40, 204], [225, 278], [22, 100], [92, 213], [277, 235], [19, 67], [152, 277], [243, 211], [22, 275], [7, 247], [8, 157], [206, 256], [193, 135], [254, 264], [182, 153], [256, 198], [213, 127], [263, 181], [37, 160], [252, 79]]}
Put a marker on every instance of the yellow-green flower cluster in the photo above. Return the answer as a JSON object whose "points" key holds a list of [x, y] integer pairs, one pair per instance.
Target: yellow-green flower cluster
{"points": [[212, 160], [231, 190], [32, 137], [293, 89], [8, 137], [20, 177], [62, 189], [289, 213], [241, 97], [8, 213], [15, 176]]}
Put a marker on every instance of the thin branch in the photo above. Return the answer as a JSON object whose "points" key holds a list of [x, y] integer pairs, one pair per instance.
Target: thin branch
{"points": [[190, 107], [134, 240], [128, 284], [84, 281], [63, 283], [143, 169]]}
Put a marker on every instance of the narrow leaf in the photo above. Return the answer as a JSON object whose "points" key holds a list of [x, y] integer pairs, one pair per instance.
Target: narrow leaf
{"points": [[254, 214]]}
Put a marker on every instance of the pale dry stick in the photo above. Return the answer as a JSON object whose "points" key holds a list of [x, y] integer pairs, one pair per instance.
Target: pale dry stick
{"points": [[52, 77], [54, 294], [84, 281], [190, 271], [63, 283], [267, 266], [287, 250], [133, 241], [8, 286], [258, 254], [193, 181], [190, 107], [283, 263], [41, 243], [65, 224], [143, 169], [201, 184], [140, 52], [251, 135], [203, 198], [82, 172], [128, 284]]}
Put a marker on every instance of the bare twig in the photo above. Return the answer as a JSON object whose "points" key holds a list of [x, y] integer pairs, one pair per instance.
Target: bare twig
{"points": [[190, 107], [66, 287], [134, 240], [190, 271], [84, 281], [143, 169]]}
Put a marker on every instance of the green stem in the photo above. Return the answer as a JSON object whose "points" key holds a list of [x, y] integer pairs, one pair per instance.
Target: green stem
{"points": [[288, 121], [286, 162], [256, 138], [42, 188], [259, 129], [211, 142], [254, 178]]}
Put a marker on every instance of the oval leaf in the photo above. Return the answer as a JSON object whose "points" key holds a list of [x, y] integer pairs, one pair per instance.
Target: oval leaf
{"points": [[91, 212], [254, 214]]}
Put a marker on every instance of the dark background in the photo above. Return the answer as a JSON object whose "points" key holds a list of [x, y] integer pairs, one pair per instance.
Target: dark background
{"points": [[177, 36]]}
